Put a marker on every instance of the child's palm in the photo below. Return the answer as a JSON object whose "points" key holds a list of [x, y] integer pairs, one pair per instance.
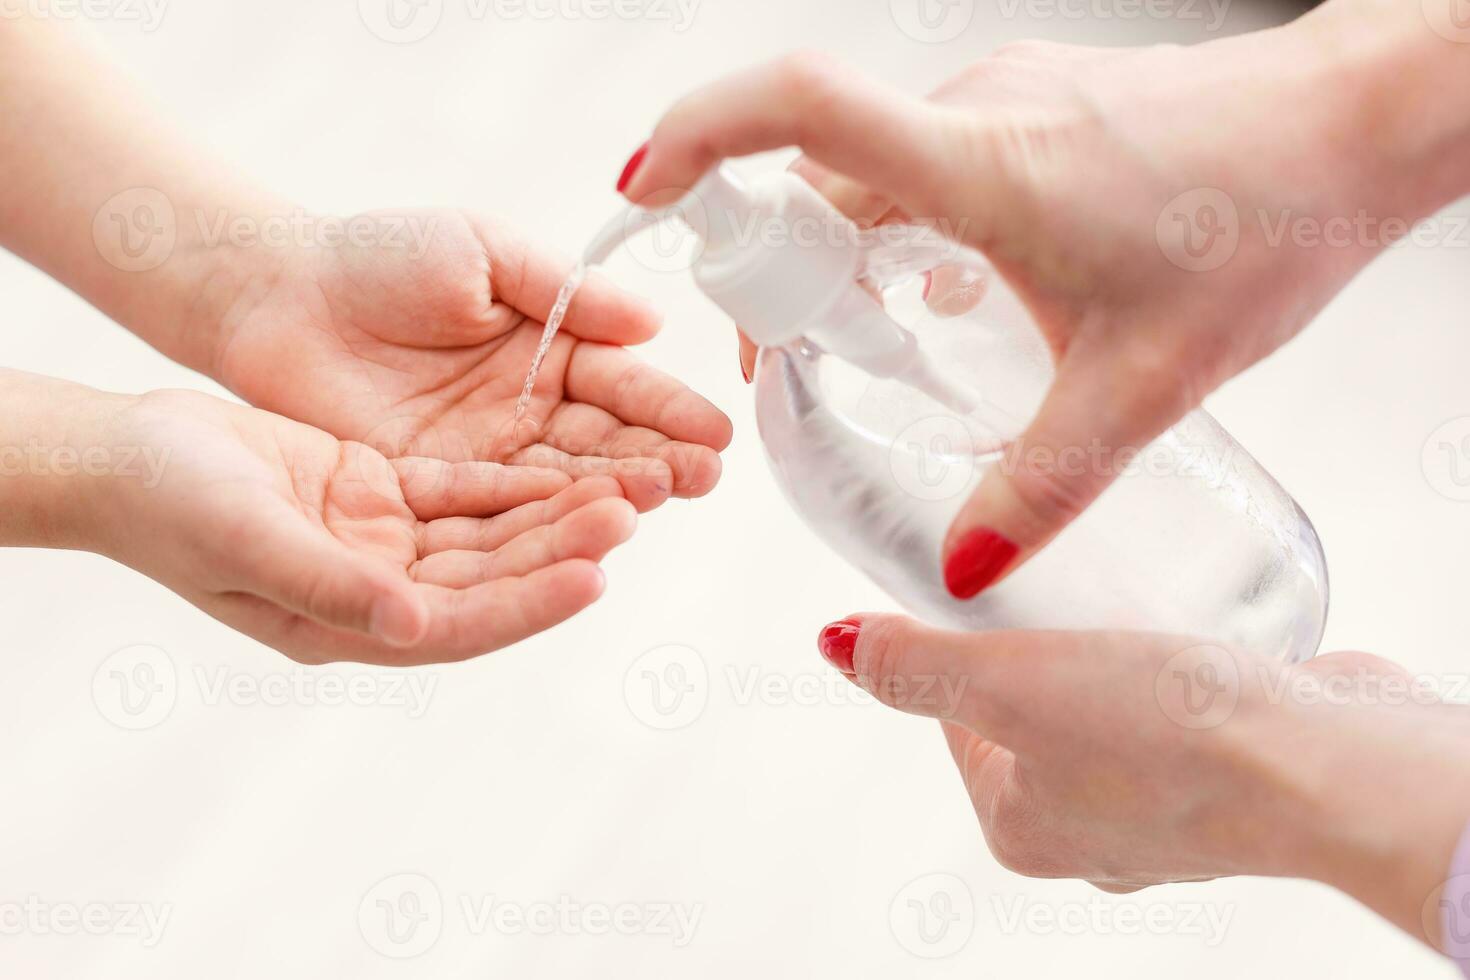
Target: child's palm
{"points": [[422, 350], [327, 550]]}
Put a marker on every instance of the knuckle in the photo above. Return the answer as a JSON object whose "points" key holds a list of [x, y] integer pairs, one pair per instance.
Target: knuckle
{"points": [[812, 82], [980, 72], [803, 71], [420, 484], [665, 404], [1001, 150], [1027, 49], [625, 391], [168, 401], [987, 77], [487, 531], [1154, 380], [1051, 498], [500, 480]]}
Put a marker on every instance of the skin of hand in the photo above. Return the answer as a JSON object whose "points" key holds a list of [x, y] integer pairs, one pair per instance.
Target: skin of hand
{"points": [[1093, 178], [323, 549], [1133, 759], [423, 351], [410, 332]]}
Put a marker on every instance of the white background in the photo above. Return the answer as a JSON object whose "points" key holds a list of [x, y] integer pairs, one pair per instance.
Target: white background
{"points": [[793, 823]]}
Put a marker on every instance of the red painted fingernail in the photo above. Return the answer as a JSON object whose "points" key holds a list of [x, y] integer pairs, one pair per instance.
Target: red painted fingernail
{"points": [[744, 373], [631, 167], [837, 642], [980, 556]]}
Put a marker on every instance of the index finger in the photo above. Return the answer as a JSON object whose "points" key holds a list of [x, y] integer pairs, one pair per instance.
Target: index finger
{"points": [[832, 113]]}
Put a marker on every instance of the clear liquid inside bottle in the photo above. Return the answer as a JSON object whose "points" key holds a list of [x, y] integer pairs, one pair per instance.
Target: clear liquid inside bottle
{"points": [[1193, 538]]}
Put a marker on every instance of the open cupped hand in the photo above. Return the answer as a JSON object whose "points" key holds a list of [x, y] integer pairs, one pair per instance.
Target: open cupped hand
{"points": [[327, 550], [420, 347]]}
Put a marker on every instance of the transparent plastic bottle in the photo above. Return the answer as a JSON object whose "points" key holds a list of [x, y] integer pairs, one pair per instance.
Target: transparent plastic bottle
{"points": [[879, 418]]}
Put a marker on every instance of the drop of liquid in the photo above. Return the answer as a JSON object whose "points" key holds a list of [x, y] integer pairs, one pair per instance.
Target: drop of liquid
{"points": [[553, 323]]}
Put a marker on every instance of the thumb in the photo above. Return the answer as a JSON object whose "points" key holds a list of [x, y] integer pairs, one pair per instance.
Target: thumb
{"points": [[1096, 418], [975, 679], [328, 583]]}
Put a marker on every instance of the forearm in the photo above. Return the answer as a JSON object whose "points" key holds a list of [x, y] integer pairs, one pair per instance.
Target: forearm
{"points": [[57, 452], [102, 195], [1398, 81]]}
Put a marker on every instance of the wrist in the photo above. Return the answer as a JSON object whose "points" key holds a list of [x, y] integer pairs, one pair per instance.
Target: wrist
{"points": [[140, 228], [1394, 94], [58, 455], [1361, 838], [222, 254]]}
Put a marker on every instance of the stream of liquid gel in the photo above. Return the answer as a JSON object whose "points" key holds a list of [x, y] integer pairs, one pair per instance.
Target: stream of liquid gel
{"points": [[553, 323]]}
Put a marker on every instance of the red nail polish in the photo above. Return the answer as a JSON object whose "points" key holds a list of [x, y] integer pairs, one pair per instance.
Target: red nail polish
{"points": [[838, 641], [980, 556], [631, 167], [744, 373]]}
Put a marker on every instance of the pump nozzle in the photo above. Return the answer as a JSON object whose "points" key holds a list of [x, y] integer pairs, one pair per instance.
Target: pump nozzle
{"points": [[607, 240], [626, 224], [721, 191]]}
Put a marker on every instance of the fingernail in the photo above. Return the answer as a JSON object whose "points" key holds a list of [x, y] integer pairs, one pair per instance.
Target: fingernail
{"points": [[744, 373], [631, 167], [928, 285], [980, 556], [837, 642]]}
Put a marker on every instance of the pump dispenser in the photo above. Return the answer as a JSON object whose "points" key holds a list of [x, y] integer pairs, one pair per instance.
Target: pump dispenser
{"points": [[879, 417]]}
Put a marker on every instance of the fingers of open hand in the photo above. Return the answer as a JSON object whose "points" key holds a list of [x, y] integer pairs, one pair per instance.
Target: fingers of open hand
{"points": [[467, 622], [583, 430], [646, 483], [467, 567], [590, 532], [619, 383], [602, 311], [461, 623], [433, 488], [489, 533]]}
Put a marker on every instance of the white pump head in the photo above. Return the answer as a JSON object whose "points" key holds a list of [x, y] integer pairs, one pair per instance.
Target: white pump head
{"points": [[782, 262]]}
